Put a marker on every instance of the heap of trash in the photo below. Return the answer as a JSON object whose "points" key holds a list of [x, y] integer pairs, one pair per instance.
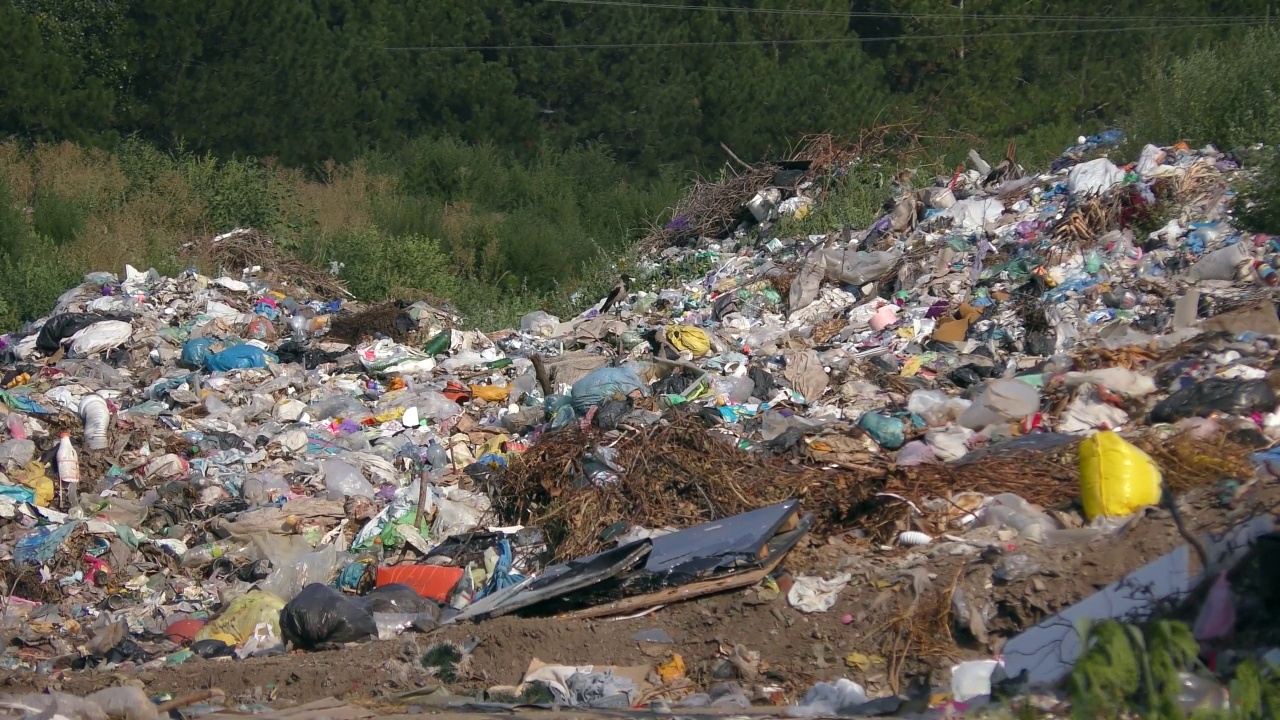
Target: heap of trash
{"points": [[248, 462]]}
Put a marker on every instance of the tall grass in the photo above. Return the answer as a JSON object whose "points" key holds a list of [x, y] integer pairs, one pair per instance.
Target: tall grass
{"points": [[495, 236]]}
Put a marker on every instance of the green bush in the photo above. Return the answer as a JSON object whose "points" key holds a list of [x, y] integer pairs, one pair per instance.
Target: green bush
{"points": [[57, 218], [32, 281], [516, 223], [236, 193], [854, 199], [1258, 206], [1228, 95], [14, 234]]}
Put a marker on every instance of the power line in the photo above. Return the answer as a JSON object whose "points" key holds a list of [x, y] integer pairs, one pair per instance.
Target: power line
{"points": [[820, 41], [877, 14]]}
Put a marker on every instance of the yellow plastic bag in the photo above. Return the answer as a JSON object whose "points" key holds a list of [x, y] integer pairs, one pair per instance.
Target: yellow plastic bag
{"points": [[1116, 478], [688, 337], [237, 623], [491, 393], [35, 477]]}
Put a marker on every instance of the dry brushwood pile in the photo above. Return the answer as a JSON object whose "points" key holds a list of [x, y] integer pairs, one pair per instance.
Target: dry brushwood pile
{"points": [[675, 475], [240, 250], [678, 475]]}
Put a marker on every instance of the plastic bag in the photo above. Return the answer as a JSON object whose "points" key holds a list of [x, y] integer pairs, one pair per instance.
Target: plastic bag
{"points": [[1221, 264], [888, 432], [933, 406], [320, 616], [805, 286], [1001, 401], [605, 382], [237, 623], [387, 356], [687, 337], [239, 357], [1233, 397], [342, 479], [458, 511], [830, 699], [60, 327], [129, 702], [856, 268], [539, 322], [292, 574], [1116, 478], [196, 350], [974, 213], [1093, 178], [100, 337]]}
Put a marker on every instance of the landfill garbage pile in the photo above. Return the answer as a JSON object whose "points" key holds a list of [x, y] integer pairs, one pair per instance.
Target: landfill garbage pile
{"points": [[1008, 368]]}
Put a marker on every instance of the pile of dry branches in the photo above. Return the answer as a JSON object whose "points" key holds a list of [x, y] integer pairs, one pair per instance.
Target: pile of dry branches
{"points": [[676, 475], [235, 251], [384, 318], [710, 208]]}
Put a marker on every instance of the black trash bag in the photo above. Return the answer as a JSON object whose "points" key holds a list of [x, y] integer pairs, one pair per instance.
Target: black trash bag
{"points": [[61, 327], [209, 649], [763, 383], [295, 352], [396, 598], [1233, 397], [673, 384], [321, 616], [612, 412]]}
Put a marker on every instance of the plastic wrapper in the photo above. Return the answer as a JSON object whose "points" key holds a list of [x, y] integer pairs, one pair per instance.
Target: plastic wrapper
{"points": [[321, 616]]}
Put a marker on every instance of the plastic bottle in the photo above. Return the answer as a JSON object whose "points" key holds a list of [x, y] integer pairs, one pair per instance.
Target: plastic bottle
{"points": [[69, 468], [202, 555], [435, 455]]}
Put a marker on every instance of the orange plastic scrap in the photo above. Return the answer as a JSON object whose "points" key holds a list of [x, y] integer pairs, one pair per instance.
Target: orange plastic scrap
{"points": [[490, 393], [672, 669]]}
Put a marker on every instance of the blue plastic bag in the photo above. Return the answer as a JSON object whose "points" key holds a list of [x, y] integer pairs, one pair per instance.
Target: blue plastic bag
{"points": [[888, 432], [239, 357], [196, 351], [604, 383]]}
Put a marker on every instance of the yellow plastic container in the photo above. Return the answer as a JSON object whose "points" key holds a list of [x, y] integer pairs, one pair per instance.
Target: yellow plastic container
{"points": [[1116, 478]]}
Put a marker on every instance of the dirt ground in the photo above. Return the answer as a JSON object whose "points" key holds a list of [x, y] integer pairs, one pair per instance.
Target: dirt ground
{"points": [[893, 633]]}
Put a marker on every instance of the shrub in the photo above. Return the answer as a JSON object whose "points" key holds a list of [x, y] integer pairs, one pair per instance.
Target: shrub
{"points": [[14, 234], [57, 218], [1228, 95]]}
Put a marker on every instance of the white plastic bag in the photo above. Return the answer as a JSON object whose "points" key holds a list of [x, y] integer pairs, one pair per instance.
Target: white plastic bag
{"points": [[539, 322], [342, 479], [974, 213], [290, 574], [100, 337], [1003, 401], [1093, 178]]}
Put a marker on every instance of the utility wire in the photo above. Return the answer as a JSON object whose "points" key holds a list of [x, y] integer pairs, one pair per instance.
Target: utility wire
{"points": [[877, 14], [821, 41]]}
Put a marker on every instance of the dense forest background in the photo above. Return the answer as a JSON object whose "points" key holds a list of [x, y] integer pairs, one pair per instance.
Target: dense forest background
{"points": [[515, 148]]}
